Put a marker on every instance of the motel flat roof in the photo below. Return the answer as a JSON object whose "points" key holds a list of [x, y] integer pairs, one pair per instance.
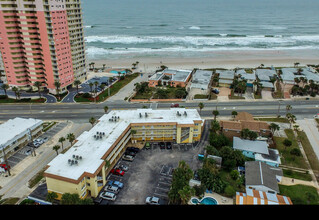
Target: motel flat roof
{"points": [[16, 128], [92, 150]]}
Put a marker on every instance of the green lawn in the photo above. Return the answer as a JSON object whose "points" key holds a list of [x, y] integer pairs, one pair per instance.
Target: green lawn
{"points": [[24, 100], [300, 194], [200, 96], [113, 90], [287, 158], [279, 120], [297, 175]]}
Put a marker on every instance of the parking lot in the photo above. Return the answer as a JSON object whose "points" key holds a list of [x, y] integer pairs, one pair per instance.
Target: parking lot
{"points": [[150, 173], [26, 150]]}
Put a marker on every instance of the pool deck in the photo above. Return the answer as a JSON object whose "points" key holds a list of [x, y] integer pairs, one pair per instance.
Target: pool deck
{"points": [[222, 200]]}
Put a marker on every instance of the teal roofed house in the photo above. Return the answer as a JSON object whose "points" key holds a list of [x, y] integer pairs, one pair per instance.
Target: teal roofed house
{"points": [[257, 150]]}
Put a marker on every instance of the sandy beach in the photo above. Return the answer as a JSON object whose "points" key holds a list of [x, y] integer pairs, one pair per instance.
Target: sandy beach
{"points": [[219, 59]]}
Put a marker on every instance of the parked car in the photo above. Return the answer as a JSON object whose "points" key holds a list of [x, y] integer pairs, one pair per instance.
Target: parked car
{"points": [[28, 152], [152, 200], [128, 158], [123, 167], [45, 139], [216, 91], [4, 166], [113, 189], [115, 183], [108, 196], [133, 149], [36, 145], [168, 145], [118, 172], [174, 105], [130, 153], [162, 145], [38, 140]]}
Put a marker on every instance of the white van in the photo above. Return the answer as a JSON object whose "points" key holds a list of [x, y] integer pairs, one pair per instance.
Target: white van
{"points": [[108, 196], [113, 189]]}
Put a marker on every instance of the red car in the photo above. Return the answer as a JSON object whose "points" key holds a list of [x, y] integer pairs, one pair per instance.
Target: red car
{"points": [[174, 105], [4, 166], [117, 172]]}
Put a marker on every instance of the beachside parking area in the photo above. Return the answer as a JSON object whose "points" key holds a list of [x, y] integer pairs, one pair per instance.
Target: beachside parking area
{"points": [[150, 173]]}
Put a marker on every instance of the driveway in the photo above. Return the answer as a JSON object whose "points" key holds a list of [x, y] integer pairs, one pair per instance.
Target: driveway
{"points": [[128, 90], [223, 94], [309, 126], [266, 95]]}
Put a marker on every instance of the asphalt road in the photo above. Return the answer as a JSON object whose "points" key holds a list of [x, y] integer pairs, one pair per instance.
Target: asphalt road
{"points": [[82, 112]]}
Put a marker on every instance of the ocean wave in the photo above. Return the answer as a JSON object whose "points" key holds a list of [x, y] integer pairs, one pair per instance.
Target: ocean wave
{"points": [[273, 27], [96, 51], [211, 40], [194, 28]]}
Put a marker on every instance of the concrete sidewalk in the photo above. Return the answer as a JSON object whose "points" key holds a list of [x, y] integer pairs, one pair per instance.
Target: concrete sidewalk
{"points": [[309, 126]]}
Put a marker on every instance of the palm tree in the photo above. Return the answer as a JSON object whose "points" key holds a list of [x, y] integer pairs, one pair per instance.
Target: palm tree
{"points": [[77, 83], [70, 137], [106, 108], [291, 118], [16, 91], [57, 85], [92, 120], [234, 113], [288, 108], [96, 83], [215, 113], [201, 106], [56, 148], [214, 126], [91, 86], [273, 128], [185, 194], [38, 84], [61, 140], [5, 87]]}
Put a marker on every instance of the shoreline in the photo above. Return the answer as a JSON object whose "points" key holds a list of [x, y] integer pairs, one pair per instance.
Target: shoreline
{"points": [[220, 59]]}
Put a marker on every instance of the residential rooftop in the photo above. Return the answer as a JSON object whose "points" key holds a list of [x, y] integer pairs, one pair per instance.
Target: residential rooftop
{"points": [[250, 145], [176, 75], [201, 79], [226, 74], [265, 74], [92, 150], [257, 197]]}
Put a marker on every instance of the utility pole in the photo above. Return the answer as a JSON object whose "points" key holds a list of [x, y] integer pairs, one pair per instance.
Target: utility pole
{"points": [[31, 141], [278, 114], [6, 161]]}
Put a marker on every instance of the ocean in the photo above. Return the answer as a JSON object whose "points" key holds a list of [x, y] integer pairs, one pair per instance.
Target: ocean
{"points": [[197, 28]]}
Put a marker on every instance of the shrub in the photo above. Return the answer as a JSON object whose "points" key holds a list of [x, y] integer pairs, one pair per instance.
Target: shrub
{"points": [[230, 191], [86, 95], [234, 174]]}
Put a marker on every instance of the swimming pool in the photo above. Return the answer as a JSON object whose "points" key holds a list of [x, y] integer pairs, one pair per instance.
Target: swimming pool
{"points": [[204, 201], [115, 71]]}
